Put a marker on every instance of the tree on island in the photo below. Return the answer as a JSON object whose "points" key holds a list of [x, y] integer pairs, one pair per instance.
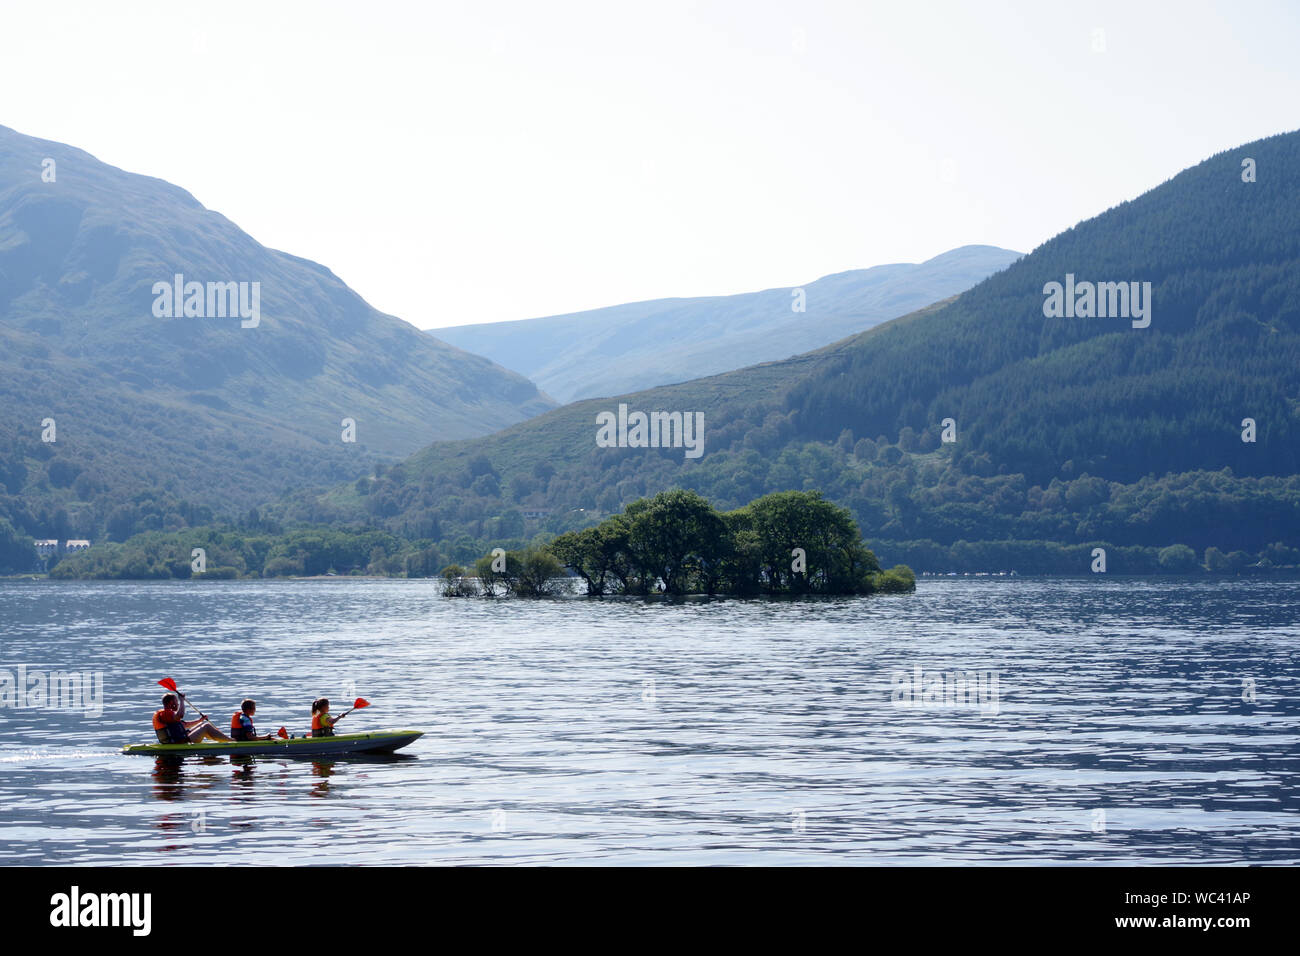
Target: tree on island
{"points": [[786, 543]]}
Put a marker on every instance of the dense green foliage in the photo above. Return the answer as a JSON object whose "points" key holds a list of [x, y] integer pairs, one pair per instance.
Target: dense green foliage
{"points": [[601, 555], [899, 496], [786, 543], [673, 543], [234, 553], [533, 572], [1050, 557], [16, 550]]}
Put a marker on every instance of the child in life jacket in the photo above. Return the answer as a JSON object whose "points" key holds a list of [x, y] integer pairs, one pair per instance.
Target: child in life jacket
{"points": [[241, 722], [322, 725]]}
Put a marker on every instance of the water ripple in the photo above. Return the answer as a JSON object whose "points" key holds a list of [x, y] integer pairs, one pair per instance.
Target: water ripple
{"points": [[1134, 721]]}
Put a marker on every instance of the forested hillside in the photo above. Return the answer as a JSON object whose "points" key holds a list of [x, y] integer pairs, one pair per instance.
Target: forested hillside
{"points": [[161, 417], [1073, 431]]}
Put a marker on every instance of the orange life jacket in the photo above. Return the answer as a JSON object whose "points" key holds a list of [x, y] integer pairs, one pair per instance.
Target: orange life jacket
{"points": [[169, 731], [237, 730], [319, 728]]}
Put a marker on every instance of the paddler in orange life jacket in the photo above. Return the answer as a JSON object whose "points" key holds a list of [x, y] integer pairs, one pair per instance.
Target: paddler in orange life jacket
{"points": [[322, 725], [241, 722], [172, 728]]}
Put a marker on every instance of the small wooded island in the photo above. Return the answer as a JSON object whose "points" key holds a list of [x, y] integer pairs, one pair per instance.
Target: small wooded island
{"points": [[786, 543]]}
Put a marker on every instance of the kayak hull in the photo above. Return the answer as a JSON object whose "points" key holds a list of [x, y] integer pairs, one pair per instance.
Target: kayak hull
{"points": [[379, 742]]}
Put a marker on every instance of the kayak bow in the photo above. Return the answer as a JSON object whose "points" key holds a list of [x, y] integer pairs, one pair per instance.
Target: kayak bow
{"points": [[379, 742]]}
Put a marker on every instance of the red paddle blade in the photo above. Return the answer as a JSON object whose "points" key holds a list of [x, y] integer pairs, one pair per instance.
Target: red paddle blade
{"points": [[361, 702], [282, 734], [168, 683]]}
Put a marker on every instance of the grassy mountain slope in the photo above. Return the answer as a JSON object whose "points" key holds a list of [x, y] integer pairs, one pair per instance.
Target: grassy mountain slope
{"points": [[643, 344], [199, 409]]}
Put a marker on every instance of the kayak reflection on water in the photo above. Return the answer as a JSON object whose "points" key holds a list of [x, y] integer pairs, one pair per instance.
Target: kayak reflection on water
{"points": [[243, 769], [172, 783], [323, 769], [167, 778]]}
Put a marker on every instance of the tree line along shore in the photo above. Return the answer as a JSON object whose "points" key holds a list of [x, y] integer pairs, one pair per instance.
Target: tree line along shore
{"points": [[749, 541], [675, 543]]}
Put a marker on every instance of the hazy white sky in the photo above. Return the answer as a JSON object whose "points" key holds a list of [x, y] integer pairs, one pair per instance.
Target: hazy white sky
{"points": [[467, 162]]}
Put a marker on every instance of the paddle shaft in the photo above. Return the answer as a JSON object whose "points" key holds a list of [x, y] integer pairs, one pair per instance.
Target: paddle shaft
{"points": [[335, 720], [201, 713], [170, 684]]}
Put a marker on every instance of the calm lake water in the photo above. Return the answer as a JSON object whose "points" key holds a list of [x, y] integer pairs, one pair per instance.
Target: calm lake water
{"points": [[1120, 728]]}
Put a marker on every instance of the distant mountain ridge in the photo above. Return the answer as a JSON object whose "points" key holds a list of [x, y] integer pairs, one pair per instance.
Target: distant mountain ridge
{"points": [[220, 414], [643, 344]]}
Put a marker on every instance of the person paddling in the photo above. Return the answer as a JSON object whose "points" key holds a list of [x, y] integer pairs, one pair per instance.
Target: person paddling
{"points": [[322, 725], [241, 722], [172, 728]]}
